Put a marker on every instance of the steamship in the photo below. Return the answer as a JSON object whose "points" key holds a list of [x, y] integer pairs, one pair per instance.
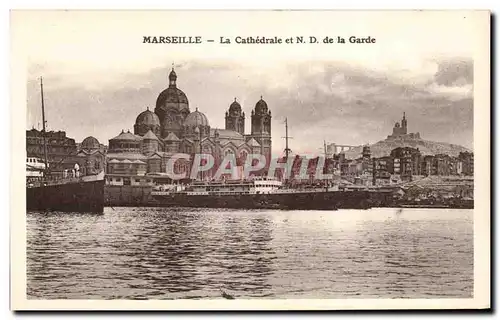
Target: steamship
{"points": [[49, 192], [269, 193], [265, 193]]}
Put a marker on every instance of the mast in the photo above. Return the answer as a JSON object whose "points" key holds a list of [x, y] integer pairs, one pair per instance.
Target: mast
{"points": [[43, 127], [326, 164], [287, 150], [374, 172], [201, 152]]}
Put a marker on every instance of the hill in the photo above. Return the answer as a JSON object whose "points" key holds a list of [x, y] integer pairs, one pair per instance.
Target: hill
{"points": [[426, 147]]}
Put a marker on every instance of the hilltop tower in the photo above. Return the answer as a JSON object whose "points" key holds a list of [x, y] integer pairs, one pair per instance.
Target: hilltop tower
{"points": [[404, 124]]}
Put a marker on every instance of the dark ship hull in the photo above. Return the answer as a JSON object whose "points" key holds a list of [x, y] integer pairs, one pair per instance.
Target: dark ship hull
{"points": [[332, 200], [84, 196]]}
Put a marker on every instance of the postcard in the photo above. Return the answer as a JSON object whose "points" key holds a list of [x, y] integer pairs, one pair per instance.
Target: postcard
{"points": [[250, 160]]}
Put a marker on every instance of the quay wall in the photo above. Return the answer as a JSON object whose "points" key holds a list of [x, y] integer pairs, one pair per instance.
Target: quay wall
{"points": [[140, 196], [124, 196]]}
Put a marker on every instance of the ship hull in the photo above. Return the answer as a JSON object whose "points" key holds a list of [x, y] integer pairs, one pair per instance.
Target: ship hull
{"points": [[87, 196], [286, 201]]}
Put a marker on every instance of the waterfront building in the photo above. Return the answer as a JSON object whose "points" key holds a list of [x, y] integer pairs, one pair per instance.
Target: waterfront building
{"points": [[427, 166], [59, 146], [406, 161], [366, 162], [91, 156], [442, 164], [65, 157], [467, 163]]}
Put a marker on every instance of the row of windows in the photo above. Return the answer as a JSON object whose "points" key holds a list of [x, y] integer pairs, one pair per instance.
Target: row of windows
{"points": [[126, 165], [51, 149], [228, 193], [34, 160], [120, 179]]}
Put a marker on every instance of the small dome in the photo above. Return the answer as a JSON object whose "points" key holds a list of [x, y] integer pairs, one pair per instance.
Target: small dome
{"points": [[261, 106], [235, 107], [90, 143], [148, 118], [195, 119]]}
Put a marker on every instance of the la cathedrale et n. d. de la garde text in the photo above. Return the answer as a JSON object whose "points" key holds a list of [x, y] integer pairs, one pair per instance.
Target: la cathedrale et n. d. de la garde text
{"points": [[259, 40]]}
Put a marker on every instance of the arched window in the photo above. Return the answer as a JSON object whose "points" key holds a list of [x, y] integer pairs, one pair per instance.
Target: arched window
{"points": [[228, 152]]}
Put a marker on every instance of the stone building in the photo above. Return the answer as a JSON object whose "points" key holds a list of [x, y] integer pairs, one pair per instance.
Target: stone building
{"points": [[467, 163], [59, 146], [65, 157], [406, 161], [91, 156]]}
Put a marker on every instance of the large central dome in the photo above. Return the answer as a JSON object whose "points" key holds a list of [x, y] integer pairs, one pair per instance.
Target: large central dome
{"points": [[172, 107], [172, 97]]}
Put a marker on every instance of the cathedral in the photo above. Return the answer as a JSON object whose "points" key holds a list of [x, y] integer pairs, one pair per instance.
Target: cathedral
{"points": [[173, 128]]}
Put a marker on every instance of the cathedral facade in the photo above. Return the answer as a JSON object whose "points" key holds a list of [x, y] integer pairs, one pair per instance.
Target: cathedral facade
{"points": [[173, 128]]}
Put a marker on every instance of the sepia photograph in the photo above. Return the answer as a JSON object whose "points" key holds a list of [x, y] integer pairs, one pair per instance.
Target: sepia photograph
{"points": [[174, 163]]}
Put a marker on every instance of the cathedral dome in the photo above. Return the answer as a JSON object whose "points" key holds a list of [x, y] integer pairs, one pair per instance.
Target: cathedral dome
{"points": [[195, 119], [90, 143], [261, 106], [235, 107], [172, 96], [147, 118]]}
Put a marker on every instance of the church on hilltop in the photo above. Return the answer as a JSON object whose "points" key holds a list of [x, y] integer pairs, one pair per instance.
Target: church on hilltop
{"points": [[173, 128], [400, 131]]}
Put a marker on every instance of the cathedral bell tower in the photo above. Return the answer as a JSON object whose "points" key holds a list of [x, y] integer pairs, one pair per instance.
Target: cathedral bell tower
{"points": [[235, 118], [261, 128]]}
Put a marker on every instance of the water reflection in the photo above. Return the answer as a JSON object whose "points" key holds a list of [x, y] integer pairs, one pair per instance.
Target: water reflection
{"points": [[154, 253]]}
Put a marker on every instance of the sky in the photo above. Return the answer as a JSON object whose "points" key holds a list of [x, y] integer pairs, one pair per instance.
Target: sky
{"points": [[98, 76]]}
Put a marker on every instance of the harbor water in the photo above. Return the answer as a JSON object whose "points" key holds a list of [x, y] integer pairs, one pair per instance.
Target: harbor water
{"points": [[172, 253]]}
